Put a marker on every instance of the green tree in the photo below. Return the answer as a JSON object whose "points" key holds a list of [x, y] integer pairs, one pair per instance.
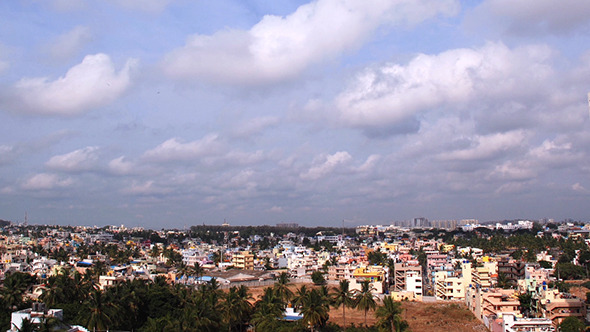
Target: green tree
{"points": [[15, 285], [237, 308], [526, 303], [267, 311], [317, 277], [99, 313], [364, 299], [571, 324], [389, 315], [569, 271], [281, 287], [343, 297], [299, 296], [315, 309]]}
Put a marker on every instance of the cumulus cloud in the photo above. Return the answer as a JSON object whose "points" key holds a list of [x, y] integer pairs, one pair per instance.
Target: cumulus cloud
{"points": [[553, 152], [281, 47], [75, 161], [513, 171], [393, 94], [325, 165], [276, 209], [370, 163], [120, 166], [487, 147], [70, 43], [46, 181], [90, 84], [144, 188], [175, 150], [579, 188]]}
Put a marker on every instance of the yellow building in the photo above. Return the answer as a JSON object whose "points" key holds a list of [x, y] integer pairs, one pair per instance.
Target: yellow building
{"points": [[374, 274], [243, 260]]}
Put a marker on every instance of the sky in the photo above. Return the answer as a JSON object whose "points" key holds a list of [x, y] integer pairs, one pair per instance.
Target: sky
{"points": [[173, 113]]}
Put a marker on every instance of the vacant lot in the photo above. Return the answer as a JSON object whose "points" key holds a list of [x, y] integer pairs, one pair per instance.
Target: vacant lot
{"points": [[421, 316]]}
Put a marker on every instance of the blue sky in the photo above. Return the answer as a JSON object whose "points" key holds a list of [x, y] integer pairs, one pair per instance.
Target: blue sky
{"points": [[175, 113]]}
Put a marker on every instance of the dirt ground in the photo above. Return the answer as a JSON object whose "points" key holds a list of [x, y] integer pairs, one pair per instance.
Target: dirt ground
{"points": [[421, 316]]}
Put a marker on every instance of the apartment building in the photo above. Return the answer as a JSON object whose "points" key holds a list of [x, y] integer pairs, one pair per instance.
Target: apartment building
{"points": [[556, 306], [481, 277], [408, 278], [486, 303], [341, 272], [512, 269], [243, 260]]}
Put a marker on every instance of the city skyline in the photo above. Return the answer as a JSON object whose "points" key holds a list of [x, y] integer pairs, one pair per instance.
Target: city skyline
{"points": [[170, 113]]}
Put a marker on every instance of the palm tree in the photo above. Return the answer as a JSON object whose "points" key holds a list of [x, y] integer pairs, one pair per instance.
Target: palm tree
{"points": [[26, 326], [281, 287], [315, 309], [100, 317], [237, 307], [267, 311], [342, 296], [184, 271], [299, 297], [364, 299], [15, 285], [389, 315], [197, 270]]}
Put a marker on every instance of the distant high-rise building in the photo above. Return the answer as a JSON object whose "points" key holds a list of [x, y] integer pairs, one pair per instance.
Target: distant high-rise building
{"points": [[420, 222]]}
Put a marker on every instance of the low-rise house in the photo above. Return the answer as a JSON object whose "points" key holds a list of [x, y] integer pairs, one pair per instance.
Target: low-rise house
{"points": [[512, 322], [556, 306]]}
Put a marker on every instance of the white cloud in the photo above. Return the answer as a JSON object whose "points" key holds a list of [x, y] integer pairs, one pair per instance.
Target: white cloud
{"points": [[70, 43], [487, 147], [90, 84], [513, 171], [276, 209], [281, 47], [79, 160], [46, 181], [121, 167], [329, 164], [394, 93], [173, 149], [144, 188], [370, 163], [579, 188]]}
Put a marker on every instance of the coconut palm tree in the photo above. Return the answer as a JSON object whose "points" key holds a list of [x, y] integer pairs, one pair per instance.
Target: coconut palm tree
{"points": [[99, 313], [299, 297], [315, 309], [267, 311], [237, 307], [342, 296], [389, 315], [281, 287], [364, 299]]}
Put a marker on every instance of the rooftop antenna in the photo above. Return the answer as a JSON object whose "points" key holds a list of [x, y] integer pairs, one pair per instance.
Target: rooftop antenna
{"points": [[26, 219]]}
